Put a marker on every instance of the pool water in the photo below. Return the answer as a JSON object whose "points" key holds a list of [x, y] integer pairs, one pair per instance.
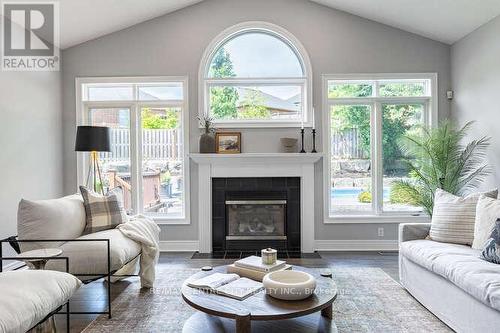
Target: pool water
{"points": [[353, 192]]}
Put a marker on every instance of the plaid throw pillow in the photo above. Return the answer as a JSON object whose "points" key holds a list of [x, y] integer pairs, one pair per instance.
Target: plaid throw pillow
{"points": [[103, 211]]}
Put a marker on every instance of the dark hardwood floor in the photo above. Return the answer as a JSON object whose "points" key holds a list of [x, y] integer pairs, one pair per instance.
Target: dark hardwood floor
{"points": [[92, 297]]}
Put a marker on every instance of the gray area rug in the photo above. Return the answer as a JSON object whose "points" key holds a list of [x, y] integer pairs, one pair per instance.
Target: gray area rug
{"points": [[368, 300]]}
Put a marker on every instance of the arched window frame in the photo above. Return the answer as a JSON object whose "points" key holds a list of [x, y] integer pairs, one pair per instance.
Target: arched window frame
{"points": [[205, 82]]}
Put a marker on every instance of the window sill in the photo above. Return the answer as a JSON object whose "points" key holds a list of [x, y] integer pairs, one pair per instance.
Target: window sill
{"points": [[260, 124], [374, 219], [170, 221]]}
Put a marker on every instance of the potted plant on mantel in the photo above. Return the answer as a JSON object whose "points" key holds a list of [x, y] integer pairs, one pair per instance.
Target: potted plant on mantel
{"points": [[437, 158], [207, 139]]}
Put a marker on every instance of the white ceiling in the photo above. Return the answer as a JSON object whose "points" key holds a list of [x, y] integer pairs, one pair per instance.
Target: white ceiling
{"points": [[83, 20], [442, 20]]}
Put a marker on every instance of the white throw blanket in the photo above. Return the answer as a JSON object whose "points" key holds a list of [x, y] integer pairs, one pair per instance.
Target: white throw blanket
{"points": [[146, 232]]}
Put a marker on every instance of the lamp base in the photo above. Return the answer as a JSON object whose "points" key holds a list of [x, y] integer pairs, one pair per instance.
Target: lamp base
{"points": [[95, 171]]}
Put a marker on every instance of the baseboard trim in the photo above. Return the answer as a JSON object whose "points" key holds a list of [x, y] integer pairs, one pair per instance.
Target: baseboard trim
{"points": [[356, 245], [320, 245], [179, 246]]}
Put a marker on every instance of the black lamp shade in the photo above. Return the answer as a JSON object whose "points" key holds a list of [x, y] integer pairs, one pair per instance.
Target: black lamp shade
{"points": [[93, 138]]}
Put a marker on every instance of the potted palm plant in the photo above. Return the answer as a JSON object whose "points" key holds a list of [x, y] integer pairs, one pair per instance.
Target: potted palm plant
{"points": [[437, 158]]}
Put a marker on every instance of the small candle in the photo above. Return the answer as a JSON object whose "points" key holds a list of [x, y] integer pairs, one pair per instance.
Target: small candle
{"points": [[269, 256]]}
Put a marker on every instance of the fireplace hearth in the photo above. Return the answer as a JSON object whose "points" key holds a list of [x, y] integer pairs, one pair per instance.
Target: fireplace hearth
{"points": [[254, 213]]}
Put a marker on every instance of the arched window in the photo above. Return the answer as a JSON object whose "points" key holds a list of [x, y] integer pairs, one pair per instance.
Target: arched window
{"points": [[256, 74]]}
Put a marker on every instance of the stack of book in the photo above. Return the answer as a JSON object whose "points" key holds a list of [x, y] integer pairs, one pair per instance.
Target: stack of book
{"points": [[253, 268]]}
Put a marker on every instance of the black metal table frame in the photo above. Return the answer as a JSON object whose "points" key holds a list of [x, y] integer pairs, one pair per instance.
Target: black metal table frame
{"points": [[13, 241]]}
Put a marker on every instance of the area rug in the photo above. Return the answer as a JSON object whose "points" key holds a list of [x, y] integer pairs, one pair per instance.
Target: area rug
{"points": [[368, 300]]}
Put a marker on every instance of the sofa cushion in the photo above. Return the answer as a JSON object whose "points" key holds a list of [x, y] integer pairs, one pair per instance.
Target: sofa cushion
{"points": [[491, 251], [103, 211], [453, 217], [29, 296], [487, 212], [90, 257], [62, 218], [460, 264]]}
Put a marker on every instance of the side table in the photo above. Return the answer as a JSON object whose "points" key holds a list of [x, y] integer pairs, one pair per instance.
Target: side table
{"points": [[39, 264]]}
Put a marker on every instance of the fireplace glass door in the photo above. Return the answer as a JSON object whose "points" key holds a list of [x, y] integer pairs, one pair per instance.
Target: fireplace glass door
{"points": [[256, 219]]}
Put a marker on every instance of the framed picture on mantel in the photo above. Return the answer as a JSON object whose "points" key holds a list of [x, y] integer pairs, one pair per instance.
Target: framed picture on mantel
{"points": [[228, 142]]}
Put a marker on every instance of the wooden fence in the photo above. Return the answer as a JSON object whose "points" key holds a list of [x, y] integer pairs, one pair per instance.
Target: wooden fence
{"points": [[347, 145], [157, 144]]}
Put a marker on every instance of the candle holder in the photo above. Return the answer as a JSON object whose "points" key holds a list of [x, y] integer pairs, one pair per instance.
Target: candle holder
{"points": [[302, 140], [314, 141]]}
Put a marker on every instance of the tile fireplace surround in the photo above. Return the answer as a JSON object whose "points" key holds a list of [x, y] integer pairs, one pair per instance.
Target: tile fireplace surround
{"points": [[249, 165]]}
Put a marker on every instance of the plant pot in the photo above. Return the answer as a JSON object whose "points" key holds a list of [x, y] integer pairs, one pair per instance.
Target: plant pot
{"points": [[207, 143]]}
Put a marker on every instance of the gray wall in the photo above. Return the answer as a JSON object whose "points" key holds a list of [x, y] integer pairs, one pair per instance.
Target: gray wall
{"points": [[173, 45], [30, 140], [476, 81]]}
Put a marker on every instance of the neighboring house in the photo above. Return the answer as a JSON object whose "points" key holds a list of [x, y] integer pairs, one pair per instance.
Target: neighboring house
{"points": [[284, 108]]}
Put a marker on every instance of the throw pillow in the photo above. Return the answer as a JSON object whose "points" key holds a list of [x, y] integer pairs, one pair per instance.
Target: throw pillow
{"points": [[103, 211], [62, 218], [487, 212], [453, 217], [491, 251]]}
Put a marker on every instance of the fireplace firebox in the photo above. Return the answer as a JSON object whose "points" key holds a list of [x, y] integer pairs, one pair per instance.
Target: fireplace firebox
{"points": [[256, 219], [250, 214]]}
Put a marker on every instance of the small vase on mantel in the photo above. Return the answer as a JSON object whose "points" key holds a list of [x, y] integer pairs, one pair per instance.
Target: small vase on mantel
{"points": [[207, 139]]}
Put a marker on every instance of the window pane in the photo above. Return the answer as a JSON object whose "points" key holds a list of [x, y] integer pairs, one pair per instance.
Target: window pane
{"points": [[162, 162], [256, 103], [350, 159], [110, 93], [170, 91], [255, 55], [116, 164], [402, 89], [397, 121], [349, 90]]}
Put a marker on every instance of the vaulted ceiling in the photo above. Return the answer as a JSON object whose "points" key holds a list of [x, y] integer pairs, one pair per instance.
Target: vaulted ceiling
{"points": [[443, 20]]}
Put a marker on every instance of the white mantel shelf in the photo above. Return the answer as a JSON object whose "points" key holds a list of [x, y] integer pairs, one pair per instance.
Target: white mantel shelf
{"points": [[257, 157], [256, 165]]}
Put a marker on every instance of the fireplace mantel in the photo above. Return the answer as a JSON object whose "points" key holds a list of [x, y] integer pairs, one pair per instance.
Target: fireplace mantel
{"points": [[255, 165], [256, 158]]}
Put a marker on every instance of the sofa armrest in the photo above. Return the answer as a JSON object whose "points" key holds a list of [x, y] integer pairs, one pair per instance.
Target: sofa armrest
{"points": [[413, 231]]}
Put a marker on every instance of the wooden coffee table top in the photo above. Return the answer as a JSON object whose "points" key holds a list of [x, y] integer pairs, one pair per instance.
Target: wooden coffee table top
{"points": [[260, 306]]}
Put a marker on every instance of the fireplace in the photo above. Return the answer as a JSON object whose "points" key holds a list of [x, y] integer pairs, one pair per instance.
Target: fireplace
{"points": [[250, 214], [256, 219]]}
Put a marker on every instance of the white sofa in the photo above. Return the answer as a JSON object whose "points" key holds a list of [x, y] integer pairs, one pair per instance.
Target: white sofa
{"points": [[450, 280], [91, 256], [64, 219], [28, 297]]}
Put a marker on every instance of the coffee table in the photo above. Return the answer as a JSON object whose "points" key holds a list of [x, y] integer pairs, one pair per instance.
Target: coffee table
{"points": [[260, 312]]}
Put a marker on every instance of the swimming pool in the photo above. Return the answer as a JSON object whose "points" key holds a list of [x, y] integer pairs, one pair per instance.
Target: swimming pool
{"points": [[353, 192]]}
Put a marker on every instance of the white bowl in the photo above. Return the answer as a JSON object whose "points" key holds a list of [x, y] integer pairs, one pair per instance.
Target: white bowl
{"points": [[289, 285]]}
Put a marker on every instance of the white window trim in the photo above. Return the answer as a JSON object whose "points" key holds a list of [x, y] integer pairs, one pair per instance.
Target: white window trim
{"points": [[81, 119], [431, 118], [205, 82]]}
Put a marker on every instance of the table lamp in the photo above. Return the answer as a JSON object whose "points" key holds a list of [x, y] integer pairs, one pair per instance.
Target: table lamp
{"points": [[93, 139]]}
